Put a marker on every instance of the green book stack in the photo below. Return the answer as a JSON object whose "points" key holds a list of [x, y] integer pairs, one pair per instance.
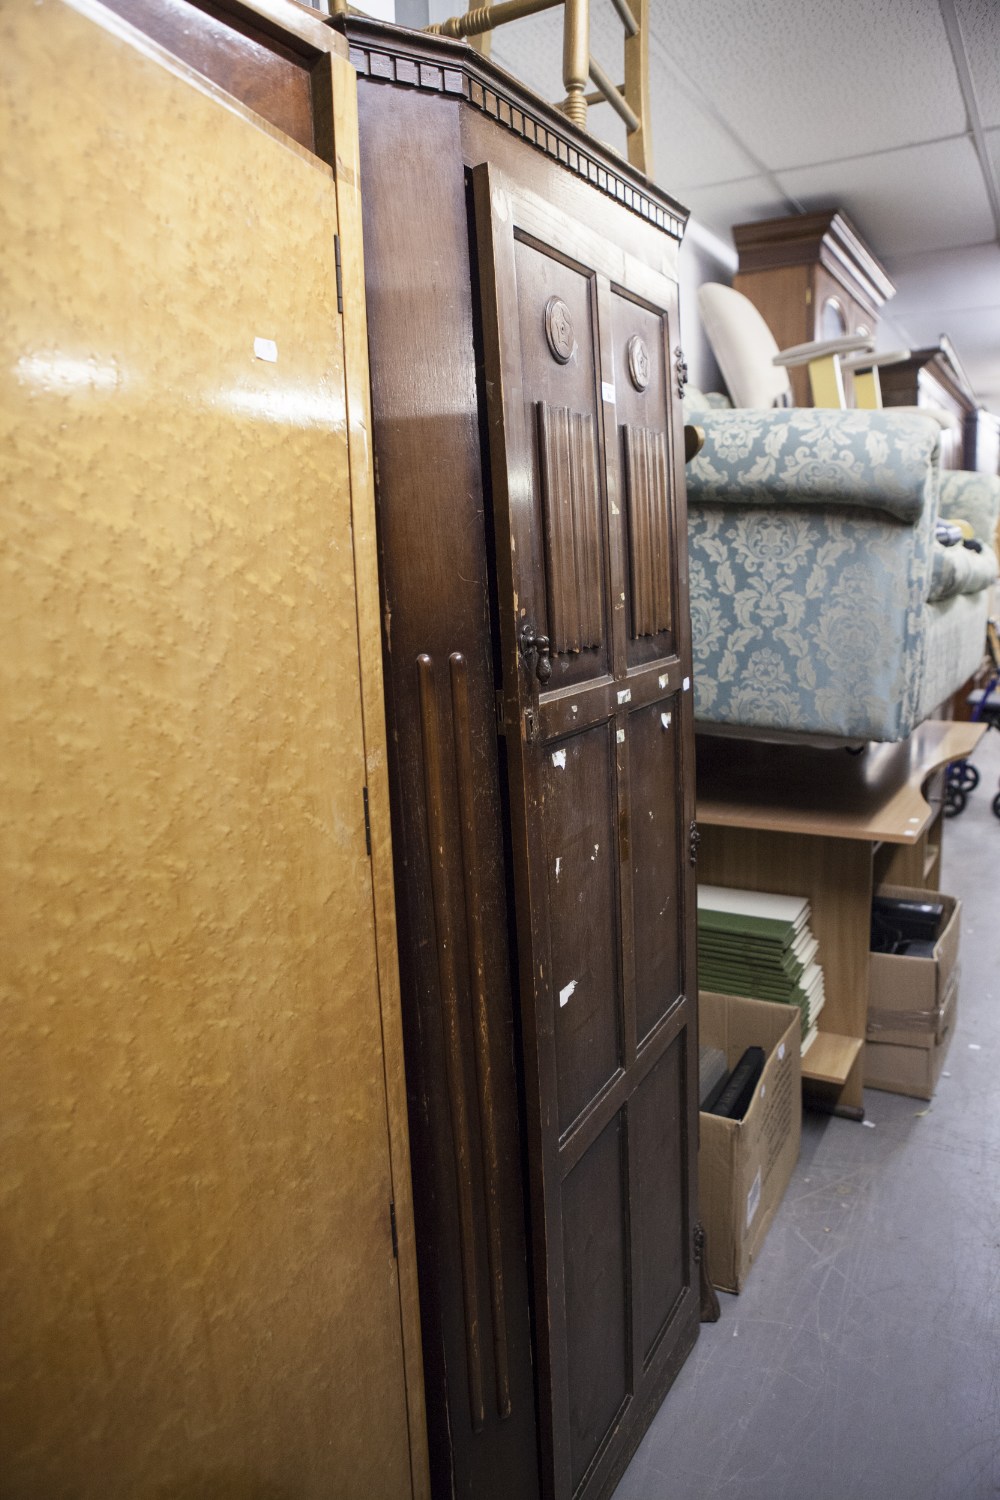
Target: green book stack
{"points": [[758, 944]]}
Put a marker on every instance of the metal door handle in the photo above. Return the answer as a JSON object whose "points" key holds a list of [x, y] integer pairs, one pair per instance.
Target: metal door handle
{"points": [[540, 647]]}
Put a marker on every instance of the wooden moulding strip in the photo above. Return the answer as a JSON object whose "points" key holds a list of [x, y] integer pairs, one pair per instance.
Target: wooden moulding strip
{"points": [[390, 54], [477, 978], [876, 797], [452, 1024], [342, 85]]}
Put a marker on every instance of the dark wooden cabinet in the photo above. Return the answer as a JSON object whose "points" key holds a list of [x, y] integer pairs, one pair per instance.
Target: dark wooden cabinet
{"points": [[934, 377], [812, 277], [522, 320]]}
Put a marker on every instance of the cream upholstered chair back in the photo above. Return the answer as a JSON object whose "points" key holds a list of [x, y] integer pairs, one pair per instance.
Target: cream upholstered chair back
{"points": [[744, 347]]}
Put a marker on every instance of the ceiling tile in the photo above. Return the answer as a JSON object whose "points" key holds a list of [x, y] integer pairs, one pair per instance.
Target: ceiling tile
{"points": [[803, 83], [689, 146], [532, 50], [993, 149], [946, 281], [980, 25], [926, 197], [746, 97], [976, 337]]}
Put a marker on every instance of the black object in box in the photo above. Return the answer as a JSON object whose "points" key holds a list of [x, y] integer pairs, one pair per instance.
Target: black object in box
{"points": [[912, 1005], [745, 1165]]}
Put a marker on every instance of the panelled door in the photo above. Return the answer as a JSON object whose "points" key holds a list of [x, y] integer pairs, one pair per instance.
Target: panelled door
{"points": [[597, 719]]}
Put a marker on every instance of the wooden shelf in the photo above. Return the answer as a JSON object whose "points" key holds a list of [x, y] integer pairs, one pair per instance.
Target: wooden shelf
{"points": [[877, 795], [802, 821], [831, 1058]]}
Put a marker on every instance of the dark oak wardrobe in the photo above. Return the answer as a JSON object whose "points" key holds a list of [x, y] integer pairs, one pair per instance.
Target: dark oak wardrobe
{"points": [[522, 321]]}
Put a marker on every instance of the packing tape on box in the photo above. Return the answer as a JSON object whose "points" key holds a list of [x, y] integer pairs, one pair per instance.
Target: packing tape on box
{"points": [[913, 1020]]}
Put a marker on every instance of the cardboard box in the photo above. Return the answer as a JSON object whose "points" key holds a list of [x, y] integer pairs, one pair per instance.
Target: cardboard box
{"points": [[745, 1165], [912, 1007]]}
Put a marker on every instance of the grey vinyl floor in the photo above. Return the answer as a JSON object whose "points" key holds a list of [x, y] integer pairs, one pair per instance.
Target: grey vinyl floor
{"points": [[862, 1359]]}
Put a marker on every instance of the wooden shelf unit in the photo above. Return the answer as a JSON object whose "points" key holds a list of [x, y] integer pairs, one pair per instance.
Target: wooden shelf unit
{"points": [[831, 1058], [812, 277], [934, 377], [832, 826]]}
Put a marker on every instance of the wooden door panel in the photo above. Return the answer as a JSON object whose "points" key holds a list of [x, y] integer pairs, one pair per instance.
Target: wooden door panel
{"points": [[269, 73], [658, 1130], [572, 539], [645, 470], [654, 748], [642, 374], [578, 789], [598, 812], [557, 313], [597, 1273], [199, 1289]]}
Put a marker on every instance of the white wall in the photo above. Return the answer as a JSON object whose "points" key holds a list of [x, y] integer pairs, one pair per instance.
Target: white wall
{"points": [[704, 257]]}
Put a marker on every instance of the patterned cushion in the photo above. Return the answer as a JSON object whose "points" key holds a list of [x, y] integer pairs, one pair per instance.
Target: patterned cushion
{"points": [[959, 570], [974, 498], [807, 621], [956, 630], [875, 459], [812, 566]]}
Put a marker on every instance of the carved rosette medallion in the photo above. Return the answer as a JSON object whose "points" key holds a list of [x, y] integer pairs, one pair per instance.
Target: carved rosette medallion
{"points": [[559, 330], [638, 362]]}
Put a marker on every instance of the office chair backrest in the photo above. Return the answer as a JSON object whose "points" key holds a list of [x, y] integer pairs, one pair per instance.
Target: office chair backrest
{"points": [[744, 347]]}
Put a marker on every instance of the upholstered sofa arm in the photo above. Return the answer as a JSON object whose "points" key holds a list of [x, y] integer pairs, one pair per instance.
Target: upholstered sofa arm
{"points": [[968, 497], [871, 460]]}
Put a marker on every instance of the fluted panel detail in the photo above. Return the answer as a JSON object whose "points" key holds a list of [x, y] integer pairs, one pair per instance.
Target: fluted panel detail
{"points": [[571, 505], [649, 538]]}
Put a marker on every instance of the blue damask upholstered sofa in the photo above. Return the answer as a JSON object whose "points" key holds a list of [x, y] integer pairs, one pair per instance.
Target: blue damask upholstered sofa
{"points": [[822, 605]]}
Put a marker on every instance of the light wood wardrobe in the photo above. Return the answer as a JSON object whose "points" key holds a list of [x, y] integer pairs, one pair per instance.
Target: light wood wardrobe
{"points": [[208, 1274]]}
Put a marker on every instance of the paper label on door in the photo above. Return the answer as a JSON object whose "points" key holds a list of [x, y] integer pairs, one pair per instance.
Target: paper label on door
{"points": [[753, 1199]]}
